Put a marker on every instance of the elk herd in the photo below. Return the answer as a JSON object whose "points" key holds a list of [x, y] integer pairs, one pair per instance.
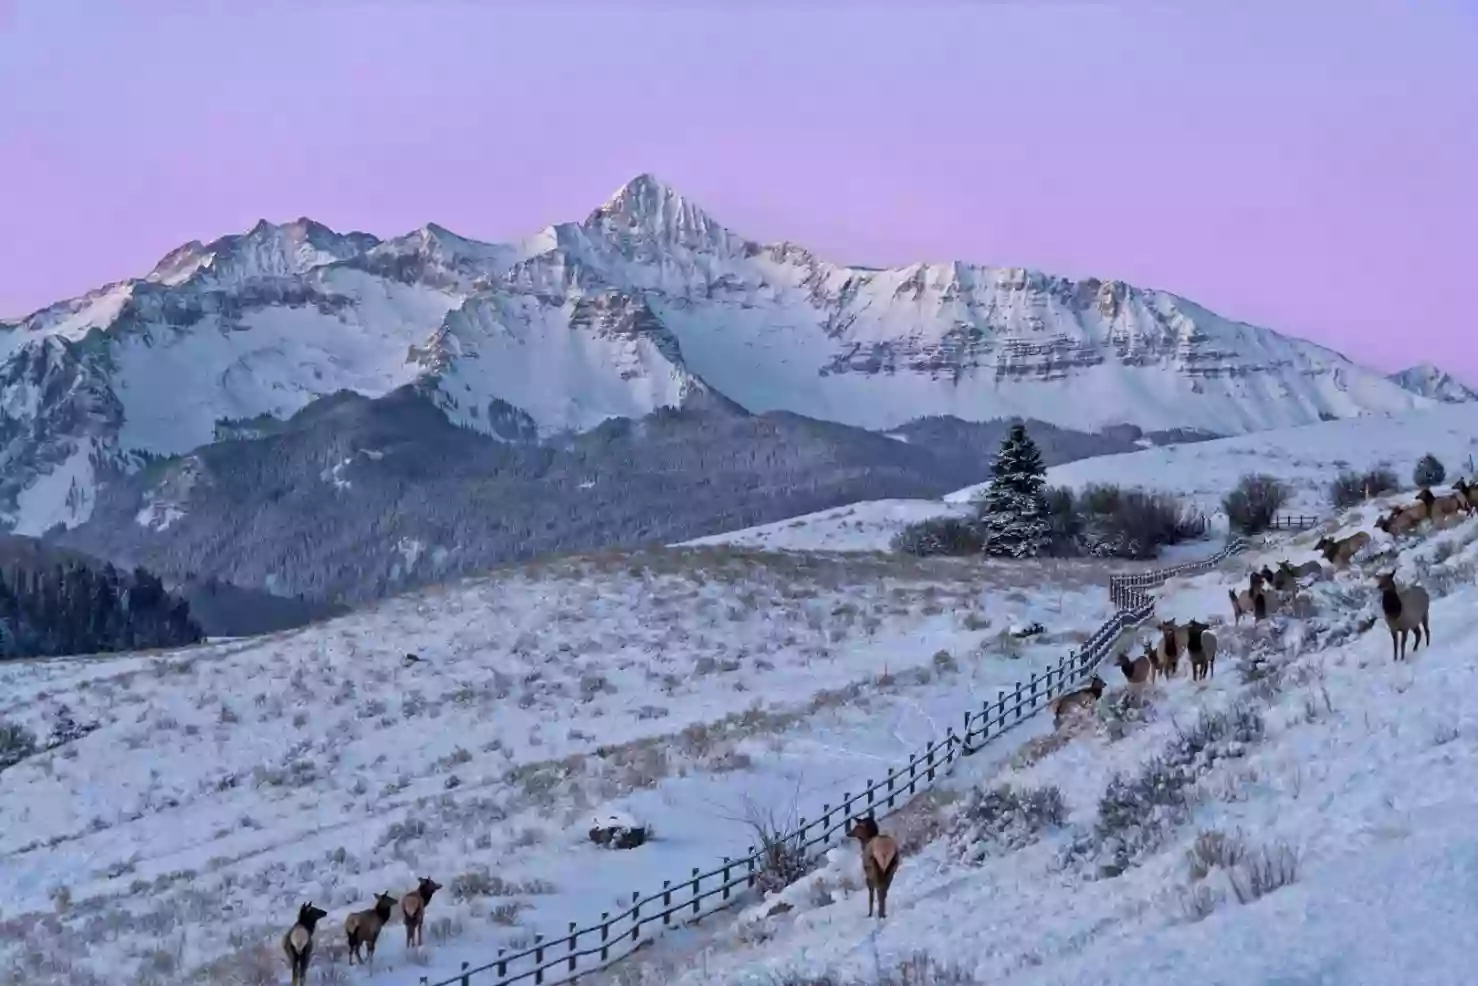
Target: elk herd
{"points": [[361, 928], [1405, 610], [1440, 510]]}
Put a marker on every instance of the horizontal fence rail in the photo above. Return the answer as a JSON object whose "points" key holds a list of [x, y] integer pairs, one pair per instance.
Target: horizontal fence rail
{"points": [[585, 950], [1293, 522]]}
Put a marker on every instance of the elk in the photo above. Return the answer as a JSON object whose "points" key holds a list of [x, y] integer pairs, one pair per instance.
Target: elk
{"points": [[1405, 610], [298, 942], [363, 927], [1442, 508], [1339, 552], [1201, 645], [413, 907], [1252, 600], [1141, 670], [1080, 700], [880, 860], [1468, 493], [1290, 575], [1400, 520], [1170, 647]]}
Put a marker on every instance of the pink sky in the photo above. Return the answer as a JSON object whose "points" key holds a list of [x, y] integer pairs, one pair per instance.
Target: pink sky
{"points": [[1305, 165]]}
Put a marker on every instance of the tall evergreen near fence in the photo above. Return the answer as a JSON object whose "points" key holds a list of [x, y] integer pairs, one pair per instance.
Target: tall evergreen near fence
{"points": [[1013, 516]]}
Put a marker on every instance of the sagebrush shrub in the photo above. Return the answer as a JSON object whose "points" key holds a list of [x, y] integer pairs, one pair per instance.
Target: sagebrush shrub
{"points": [[16, 743], [1004, 817], [940, 536], [1254, 502], [1351, 487]]}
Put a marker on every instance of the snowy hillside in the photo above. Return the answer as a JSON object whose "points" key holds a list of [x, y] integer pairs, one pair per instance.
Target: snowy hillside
{"points": [[1431, 381], [224, 784], [1306, 458], [645, 304], [1307, 815]]}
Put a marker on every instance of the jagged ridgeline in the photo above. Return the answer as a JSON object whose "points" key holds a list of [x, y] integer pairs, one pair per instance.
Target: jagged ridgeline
{"points": [[642, 374], [57, 603]]}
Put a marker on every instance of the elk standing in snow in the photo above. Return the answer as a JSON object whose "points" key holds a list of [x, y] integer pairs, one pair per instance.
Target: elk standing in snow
{"points": [[1201, 645], [879, 861], [298, 942], [413, 906], [363, 927], [1405, 610]]}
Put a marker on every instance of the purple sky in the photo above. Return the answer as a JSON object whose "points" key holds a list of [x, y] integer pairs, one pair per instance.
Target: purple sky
{"points": [[1305, 165]]}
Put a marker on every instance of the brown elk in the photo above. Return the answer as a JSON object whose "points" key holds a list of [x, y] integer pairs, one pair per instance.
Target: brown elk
{"points": [[1468, 493], [1078, 701], [1339, 552], [363, 927], [880, 858], [1170, 647], [1140, 671], [298, 942], [1405, 610], [1443, 509], [1201, 645], [1253, 600], [413, 907]]}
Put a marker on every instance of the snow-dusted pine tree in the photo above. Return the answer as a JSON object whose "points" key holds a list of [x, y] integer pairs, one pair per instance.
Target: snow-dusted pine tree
{"points": [[1013, 508]]}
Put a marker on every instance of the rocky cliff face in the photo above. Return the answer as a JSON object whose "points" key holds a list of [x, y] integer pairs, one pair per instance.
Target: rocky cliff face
{"points": [[647, 303], [1434, 383]]}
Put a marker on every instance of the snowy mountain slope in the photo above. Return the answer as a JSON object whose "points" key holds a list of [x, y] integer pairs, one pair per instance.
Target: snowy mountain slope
{"points": [[643, 303], [670, 684], [1306, 458], [1359, 769], [1435, 383]]}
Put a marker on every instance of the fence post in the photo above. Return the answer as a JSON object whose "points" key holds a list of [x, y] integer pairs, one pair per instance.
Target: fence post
{"points": [[929, 753], [666, 903], [502, 963], [635, 916], [574, 937], [538, 960], [605, 936], [466, 979], [872, 794], [1018, 701], [697, 898], [750, 861]]}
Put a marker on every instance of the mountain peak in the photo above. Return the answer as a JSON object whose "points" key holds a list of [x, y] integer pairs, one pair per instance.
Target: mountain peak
{"points": [[1432, 381], [647, 208]]}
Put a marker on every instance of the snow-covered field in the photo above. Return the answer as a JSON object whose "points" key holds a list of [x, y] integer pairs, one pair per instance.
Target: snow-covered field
{"points": [[1305, 458], [1309, 815], [227, 783]]}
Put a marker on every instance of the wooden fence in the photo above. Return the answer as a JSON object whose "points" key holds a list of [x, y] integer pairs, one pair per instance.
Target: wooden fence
{"points": [[1293, 522], [584, 950]]}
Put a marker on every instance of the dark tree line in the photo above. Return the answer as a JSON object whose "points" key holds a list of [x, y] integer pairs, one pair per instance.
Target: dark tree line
{"points": [[69, 608]]}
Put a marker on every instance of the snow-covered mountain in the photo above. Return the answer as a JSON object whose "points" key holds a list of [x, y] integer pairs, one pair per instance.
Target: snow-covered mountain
{"points": [[1435, 383], [645, 304]]}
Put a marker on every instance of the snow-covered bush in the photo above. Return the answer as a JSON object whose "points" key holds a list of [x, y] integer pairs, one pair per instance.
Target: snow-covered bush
{"points": [[939, 536], [1350, 487], [1121, 711], [1004, 818], [1256, 500], [16, 743], [1137, 812], [1429, 471]]}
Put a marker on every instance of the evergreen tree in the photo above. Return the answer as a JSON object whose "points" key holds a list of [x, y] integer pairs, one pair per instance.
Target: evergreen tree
{"points": [[1013, 515]]}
